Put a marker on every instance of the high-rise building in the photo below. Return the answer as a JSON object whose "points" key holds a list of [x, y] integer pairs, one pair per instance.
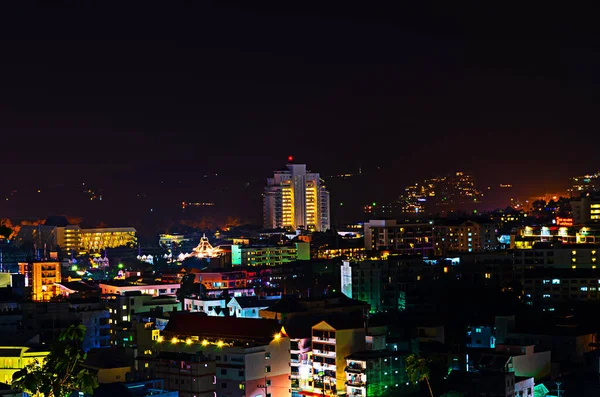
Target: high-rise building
{"points": [[296, 199]]}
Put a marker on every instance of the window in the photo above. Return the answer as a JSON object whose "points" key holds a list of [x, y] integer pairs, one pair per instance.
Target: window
{"points": [[267, 369], [478, 330], [223, 371], [268, 383], [223, 385], [267, 356], [242, 386], [555, 281], [124, 318]]}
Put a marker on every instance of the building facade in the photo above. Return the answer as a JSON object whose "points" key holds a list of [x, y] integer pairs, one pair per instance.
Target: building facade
{"points": [[296, 199], [42, 277], [269, 255], [401, 239]]}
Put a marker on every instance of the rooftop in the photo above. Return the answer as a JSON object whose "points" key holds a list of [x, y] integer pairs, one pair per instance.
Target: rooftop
{"points": [[198, 324]]}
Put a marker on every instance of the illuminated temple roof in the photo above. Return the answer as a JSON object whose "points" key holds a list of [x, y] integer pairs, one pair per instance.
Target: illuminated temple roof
{"points": [[203, 250]]}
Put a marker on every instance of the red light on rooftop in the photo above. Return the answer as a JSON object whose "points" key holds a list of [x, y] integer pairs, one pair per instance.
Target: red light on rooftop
{"points": [[290, 158]]}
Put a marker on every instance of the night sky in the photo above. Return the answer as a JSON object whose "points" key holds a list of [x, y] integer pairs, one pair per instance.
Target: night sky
{"points": [[141, 102]]}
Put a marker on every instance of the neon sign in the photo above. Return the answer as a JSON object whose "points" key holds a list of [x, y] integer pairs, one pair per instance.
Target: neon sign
{"points": [[564, 221]]}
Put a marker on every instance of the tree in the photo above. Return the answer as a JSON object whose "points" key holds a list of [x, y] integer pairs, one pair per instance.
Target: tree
{"points": [[5, 231], [187, 287], [417, 369], [62, 372]]}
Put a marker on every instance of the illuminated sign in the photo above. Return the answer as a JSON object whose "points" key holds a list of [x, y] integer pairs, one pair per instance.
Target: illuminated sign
{"points": [[564, 221]]}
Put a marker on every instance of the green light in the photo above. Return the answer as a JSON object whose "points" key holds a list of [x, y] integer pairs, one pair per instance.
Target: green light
{"points": [[374, 203], [74, 268], [120, 266]]}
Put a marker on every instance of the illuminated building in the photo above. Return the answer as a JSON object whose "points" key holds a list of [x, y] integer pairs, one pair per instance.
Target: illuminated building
{"points": [[332, 342], [269, 255], [42, 277], [296, 199], [117, 287], [123, 310], [252, 355], [170, 240], [586, 210], [250, 306], [209, 306], [401, 239], [465, 236], [556, 255], [373, 373], [526, 237], [15, 358], [101, 238], [383, 284]]}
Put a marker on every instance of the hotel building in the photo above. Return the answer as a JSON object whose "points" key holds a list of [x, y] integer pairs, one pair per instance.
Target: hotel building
{"points": [[42, 277], [296, 199]]}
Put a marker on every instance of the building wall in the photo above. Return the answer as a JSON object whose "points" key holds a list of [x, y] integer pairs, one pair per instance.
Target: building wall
{"points": [[42, 277], [152, 289], [112, 375], [402, 239], [11, 362], [203, 306]]}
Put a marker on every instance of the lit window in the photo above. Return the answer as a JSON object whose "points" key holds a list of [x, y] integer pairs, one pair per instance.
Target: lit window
{"points": [[478, 330], [124, 318], [556, 281], [546, 296], [584, 289]]}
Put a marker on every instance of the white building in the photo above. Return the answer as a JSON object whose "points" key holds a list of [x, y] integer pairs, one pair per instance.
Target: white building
{"points": [[210, 306], [296, 199], [249, 306]]}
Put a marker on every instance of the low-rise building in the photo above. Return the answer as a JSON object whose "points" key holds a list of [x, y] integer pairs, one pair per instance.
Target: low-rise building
{"points": [[272, 255], [372, 373], [251, 355], [192, 375], [15, 358], [120, 287], [249, 306]]}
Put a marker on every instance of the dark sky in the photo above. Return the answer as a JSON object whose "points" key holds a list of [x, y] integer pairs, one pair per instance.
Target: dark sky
{"points": [[150, 97]]}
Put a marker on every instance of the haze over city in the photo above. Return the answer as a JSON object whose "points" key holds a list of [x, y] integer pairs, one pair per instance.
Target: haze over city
{"points": [[204, 106]]}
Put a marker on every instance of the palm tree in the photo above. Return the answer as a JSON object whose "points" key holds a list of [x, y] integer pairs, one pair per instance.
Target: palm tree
{"points": [[62, 372], [417, 369]]}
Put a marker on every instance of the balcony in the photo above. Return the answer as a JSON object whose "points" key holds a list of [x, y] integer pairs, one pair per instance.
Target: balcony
{"points": [[324, 353], [355, 383], [322, 339], [357, 369]]}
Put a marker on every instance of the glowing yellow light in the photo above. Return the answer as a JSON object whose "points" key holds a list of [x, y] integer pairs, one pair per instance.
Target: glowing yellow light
{"points": [[220, 343], [204, 342], [277, 336], [160, 339], [174, 340], [188, 341]]}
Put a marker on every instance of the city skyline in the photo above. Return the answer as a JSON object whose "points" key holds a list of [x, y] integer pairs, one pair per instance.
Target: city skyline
{"points": [[401, 92]]}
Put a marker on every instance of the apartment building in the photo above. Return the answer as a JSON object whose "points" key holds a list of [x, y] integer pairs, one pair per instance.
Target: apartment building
{"points": [[252, 355]]}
